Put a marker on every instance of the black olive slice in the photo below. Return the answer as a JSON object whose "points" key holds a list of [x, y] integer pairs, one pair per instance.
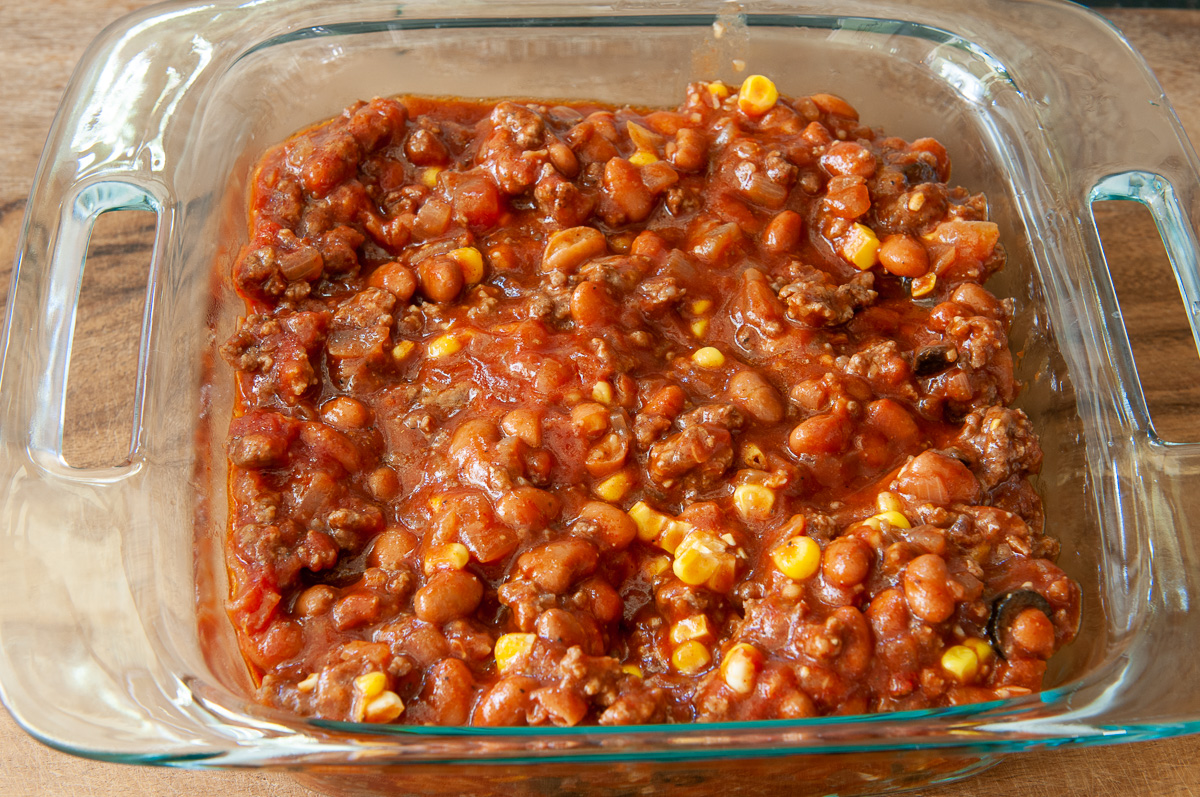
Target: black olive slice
{"points": [[1006, 607], [932, 360]]}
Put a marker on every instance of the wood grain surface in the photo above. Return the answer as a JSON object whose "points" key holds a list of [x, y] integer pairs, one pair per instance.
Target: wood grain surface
{"points": [[40, 43]]}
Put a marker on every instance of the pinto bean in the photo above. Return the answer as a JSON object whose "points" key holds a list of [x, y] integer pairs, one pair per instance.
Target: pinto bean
{"points": [[927, 588], [607, 526], [751, 391], [846, 562], [447, 595]]}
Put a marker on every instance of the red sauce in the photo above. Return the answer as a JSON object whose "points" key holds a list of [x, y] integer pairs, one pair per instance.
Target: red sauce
{"points": [[575, 414]]}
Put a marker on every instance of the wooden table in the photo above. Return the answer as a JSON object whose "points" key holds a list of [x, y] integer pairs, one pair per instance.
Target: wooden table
{"points": [[41, 41]]}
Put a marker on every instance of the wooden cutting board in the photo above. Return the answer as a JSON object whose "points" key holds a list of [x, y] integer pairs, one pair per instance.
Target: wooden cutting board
{"points": [[40, 43]]}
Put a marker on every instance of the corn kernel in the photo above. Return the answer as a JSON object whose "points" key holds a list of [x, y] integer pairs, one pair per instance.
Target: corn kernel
{"points": [[649, 521], [694, 627], [799, 558], [718, 89], [861, 246], [632, 669], [701, 306], [923, 285], [961, 662], [740, 667], [309, 683], [708, 357], [471, 261], [691, 657], [614, 488], [757, 95], [699, 327], [889, 502], [451, 556], [370, 684], [435, 502], [693, 567], [643, 157], [429, 177], [603, 392], [387, 707], [981, 647], [672, 535], [895, 519], [753, 501], [402, 349], [444, 346], [511, 646], [658, 565]]}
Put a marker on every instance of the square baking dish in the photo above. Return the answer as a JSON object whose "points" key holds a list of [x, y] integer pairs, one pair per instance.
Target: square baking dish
{"points": [[114, 642]]}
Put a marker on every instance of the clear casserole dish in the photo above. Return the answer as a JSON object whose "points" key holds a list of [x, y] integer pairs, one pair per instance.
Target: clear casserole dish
{"points": [[1042, 106]]}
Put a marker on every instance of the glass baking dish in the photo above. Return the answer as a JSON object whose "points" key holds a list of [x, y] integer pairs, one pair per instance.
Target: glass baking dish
{"points": [[113, 639]]}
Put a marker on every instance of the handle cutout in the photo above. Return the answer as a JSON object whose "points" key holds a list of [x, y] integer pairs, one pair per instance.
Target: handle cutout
{"points": [[1157, 322], [101, 390]]}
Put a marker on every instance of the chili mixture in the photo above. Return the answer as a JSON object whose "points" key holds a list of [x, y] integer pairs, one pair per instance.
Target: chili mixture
{"points": [[569, 413]]}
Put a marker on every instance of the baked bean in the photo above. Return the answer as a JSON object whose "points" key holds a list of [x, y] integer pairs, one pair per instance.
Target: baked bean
{"points": [[598, 597], [849, 158], [355, 609], [589, 419], [527, 508], [344, 413], [506, 702], [894, 421], [447, 595], [689, 150], [630, 198], [568, 249], [396, 278], [904, 256], [857, 648], [753, 393], [560, 627], [1032, 631], [523, 424], [383, 484], [563, 159], [449, 691], [979, 299], [888, 614], [317, 599], [668, 400], [846, 562], [820, 434], [783, 233], [441, 278], [607, 456], [564, 708], [604, 524], [927, 588], [391, 548], [555, 566], [591, 305], [424, 148], [938, 479]]}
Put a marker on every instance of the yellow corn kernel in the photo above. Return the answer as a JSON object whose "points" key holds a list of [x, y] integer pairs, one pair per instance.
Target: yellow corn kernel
{"points": [[658, 565], [694, 567], [649, 521], [632, 669], [981, 647], [961, 662], [701, 306], [799, 558], [614, 488], [757, 95], [708, 357], [435, 502], [643, 157], [451, 556], [694, 627], [923, 285], [470, 260], [603, 392], [699, 327], [888, 502], [387, 707], [718, 89], [402, 349], [444, 345], [672, 535], [309, 683], [895, 519], [429, 177], [861, 246], [370, 684], [511, 646], [740, 667], [753, 501], [691, 657]]}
